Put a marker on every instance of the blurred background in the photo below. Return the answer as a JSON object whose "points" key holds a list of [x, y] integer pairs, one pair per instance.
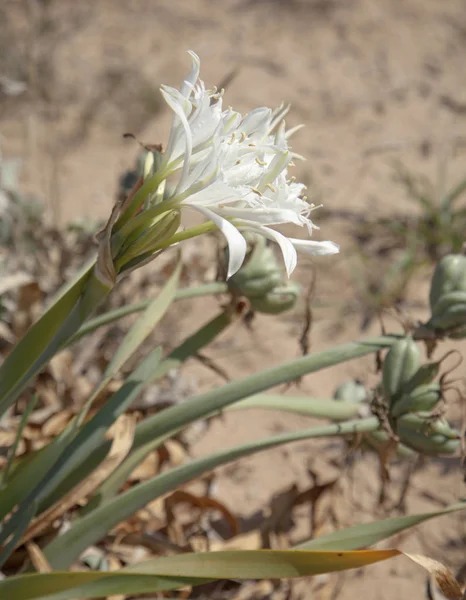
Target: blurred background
{"points": [[379, 86]]}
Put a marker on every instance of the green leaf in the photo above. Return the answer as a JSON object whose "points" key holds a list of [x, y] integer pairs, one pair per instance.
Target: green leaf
{"points": [[142, 327], [323, 408], [154, 430], [33, 351], [85, 452], [90, 326], [88, 439], [188, 348], [367, 534], [68, 459], [64, 549], [172, 572], [173, 419]]}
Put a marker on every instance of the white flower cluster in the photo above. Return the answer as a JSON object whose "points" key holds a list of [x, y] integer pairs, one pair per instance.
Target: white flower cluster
{"points": [[233, 169]]}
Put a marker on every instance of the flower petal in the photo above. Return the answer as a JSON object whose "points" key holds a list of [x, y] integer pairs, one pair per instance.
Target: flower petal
{"points": [[262, 216], [193, 76], [237, 246], [315, 248], [289, 253], [181, 107]]}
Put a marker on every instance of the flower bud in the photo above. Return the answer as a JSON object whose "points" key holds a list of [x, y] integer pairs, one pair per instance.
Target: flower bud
{"points": [[350, 391]]}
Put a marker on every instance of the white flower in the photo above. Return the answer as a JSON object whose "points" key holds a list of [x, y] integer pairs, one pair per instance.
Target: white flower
{"points": [[234, 170]]}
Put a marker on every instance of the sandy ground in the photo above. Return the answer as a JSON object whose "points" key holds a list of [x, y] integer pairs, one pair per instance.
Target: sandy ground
{"points": [[373, 81]]}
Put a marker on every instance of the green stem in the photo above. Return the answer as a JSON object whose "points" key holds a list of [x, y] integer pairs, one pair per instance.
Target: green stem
{"points": [[206, 289]]}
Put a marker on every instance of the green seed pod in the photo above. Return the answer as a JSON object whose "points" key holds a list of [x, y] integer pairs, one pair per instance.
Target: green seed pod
{"points": [[424, 375], [350, 391], [449, 276], [433, 444], [449, 312], [278, 300], [400, 365], [423, 398], [260, 274]]}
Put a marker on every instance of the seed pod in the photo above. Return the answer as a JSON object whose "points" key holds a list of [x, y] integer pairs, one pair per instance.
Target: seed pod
{"points": [[350, 391], [424, 375], [277, 300], [449, 276], [255, 287], [423, 398], [423, 423], [260, 274], [449, 312], [427, 443], [400, 365]]}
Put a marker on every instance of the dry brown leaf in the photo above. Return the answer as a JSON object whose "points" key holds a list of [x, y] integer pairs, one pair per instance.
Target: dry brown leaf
{"points": [[28, 308], [57, 423], [146, 469], [444, 578], [60, 366], [204, 503], [123, 432], [252, 540], [173, 451], [40, 563], [7, 438]]}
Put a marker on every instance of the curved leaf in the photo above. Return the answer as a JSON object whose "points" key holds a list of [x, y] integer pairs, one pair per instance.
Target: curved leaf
{"points": [[65, 548], [187, 569]]}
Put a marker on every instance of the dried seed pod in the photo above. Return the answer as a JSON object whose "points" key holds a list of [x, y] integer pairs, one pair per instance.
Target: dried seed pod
{"points": [[449, 276], [400, 365], [423, 398]]}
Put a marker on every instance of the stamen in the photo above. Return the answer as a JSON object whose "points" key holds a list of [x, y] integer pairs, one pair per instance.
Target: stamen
{"points": [[244, 135], [291, 164], [232, 139], [238, 162], [252, 145], [260, 162], [270, 186], [256, 191]]}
